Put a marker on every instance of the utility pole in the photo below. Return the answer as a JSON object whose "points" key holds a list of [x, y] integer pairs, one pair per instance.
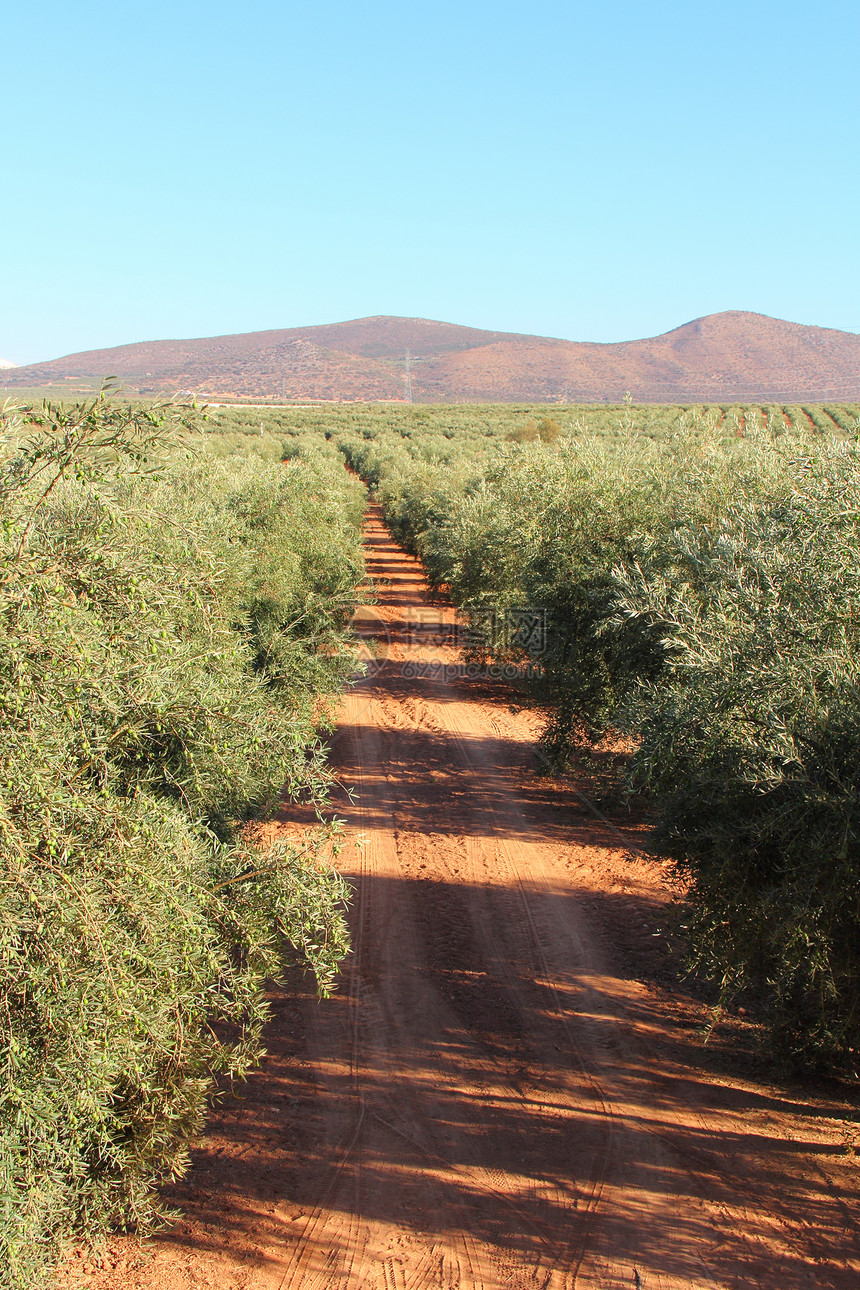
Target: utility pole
{"points": [[407, 377]]}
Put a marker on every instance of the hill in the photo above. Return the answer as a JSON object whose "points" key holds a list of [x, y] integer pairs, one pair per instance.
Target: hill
{"points": [[726, 357]]}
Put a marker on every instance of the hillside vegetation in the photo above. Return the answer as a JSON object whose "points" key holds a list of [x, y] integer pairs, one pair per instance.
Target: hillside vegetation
{"points": [[174, 624]]}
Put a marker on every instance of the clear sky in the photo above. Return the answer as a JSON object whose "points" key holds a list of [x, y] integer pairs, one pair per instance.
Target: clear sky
{"points": [[594, 171]]}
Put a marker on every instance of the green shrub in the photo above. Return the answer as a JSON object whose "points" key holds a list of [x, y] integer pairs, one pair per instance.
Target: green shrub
{"points": [[171, 635], [750, 742]]}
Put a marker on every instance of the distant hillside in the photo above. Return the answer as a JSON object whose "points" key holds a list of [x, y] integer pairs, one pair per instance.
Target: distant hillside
{"points": [[726, 357]]}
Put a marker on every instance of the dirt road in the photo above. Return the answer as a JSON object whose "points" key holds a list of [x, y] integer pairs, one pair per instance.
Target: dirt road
{"points": [[499, 1096]]}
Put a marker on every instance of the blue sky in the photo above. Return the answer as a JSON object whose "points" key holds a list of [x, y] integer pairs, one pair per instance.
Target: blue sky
{"points": [[596, 172]]}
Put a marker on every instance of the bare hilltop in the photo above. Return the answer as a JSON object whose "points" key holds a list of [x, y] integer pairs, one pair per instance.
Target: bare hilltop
{"points": [[725, 357]]}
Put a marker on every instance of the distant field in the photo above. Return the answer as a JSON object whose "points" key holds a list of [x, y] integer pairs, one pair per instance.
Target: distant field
{"points": [[62, 390], [522, 421], [450, 420]]}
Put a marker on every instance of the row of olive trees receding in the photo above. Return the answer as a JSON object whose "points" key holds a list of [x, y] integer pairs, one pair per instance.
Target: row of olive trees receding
{"points": [[700, 598], [439, 428], [172, 623]]}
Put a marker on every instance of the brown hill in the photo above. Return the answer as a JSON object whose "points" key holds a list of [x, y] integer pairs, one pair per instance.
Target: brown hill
{"points": [[726, 357]]}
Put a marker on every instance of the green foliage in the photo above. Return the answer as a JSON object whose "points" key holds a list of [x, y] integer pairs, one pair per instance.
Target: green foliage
{"points": [[546, 430], [751, 740], [172, 629], [846, 418]]}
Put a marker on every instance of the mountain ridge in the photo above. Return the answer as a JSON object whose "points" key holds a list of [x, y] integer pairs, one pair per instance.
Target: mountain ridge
{"points": [[733, 356]]}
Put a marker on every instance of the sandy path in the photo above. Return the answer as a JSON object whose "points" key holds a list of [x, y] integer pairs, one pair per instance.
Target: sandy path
{"points": [[493, 1099]]}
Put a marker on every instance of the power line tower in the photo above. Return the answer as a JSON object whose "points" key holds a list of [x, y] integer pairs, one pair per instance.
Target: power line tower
{"points": [[407, 377]]}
